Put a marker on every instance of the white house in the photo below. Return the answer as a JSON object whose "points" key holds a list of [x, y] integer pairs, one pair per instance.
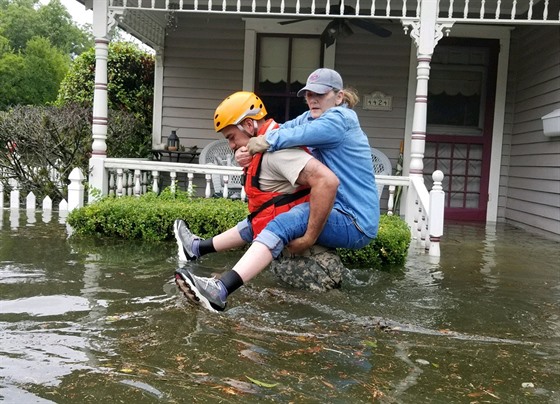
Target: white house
{"points": [[462, 84]]}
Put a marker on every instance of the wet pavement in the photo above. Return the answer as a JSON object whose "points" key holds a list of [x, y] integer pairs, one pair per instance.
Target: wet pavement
{"points": [[100, 321]]}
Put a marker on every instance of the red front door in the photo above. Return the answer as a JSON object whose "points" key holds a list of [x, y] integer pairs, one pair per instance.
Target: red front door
{"points": [[461, 95]]}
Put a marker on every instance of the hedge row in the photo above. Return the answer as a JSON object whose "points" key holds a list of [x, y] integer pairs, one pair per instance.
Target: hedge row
{"points": [[150, 217]]}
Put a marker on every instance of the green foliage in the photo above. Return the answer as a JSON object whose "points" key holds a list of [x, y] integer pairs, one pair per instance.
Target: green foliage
{"points": [[32, 76], [130, 89], [390, 247], [130, 80], [150, 217], [22, 20], [37, 43]]}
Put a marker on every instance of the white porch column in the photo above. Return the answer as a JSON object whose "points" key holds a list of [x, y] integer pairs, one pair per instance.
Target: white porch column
{"points": [[158, 98], [98, 177], [426, 33]]}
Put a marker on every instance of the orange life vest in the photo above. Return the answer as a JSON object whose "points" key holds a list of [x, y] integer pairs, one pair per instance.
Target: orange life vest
{"points": [[263, 205]]}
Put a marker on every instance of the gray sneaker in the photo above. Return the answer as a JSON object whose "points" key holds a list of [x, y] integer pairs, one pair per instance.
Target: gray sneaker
{"points": [[206, 291], [185, 240]]}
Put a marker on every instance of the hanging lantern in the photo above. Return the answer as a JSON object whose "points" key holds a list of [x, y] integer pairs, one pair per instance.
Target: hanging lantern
{"points": [[173, 141]]}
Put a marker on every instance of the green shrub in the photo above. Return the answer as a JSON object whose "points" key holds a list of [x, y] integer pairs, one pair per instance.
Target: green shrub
{"points": [[390, 247], [150, 217]]}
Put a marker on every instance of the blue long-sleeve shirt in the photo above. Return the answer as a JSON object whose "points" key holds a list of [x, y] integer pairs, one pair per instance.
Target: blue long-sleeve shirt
{"points": [[337, 140]]}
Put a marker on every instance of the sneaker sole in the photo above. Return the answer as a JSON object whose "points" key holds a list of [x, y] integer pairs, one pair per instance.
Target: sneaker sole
{"points": [[182, 286], [194, 291], [182, 255]]}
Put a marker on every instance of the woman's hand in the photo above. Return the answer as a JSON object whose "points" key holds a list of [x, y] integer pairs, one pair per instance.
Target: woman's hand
{"points": [[243, 157]]}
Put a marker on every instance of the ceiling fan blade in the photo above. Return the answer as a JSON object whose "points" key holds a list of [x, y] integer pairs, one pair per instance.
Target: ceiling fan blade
{"points": [[370, 27], [293, 21], [330, 33]]}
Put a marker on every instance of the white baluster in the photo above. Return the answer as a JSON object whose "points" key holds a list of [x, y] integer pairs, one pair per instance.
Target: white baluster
{"points": [[513, 9], [112, 183], [450, 13], [155, 182], [207, 190], [119, 190], [137, 184], [130, 185], [482, 5], [144, 182], [225, 192], [466, 9], [190, 177], [530, 13], [498, 6], [173, 185], [391, 201]]}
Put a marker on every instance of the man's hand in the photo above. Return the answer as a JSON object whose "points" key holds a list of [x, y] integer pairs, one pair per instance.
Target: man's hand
{"points": [[299, 245], [257, 144], [243, 157]]}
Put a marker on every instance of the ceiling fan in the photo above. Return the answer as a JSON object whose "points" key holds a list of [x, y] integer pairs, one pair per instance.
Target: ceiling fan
{"points": [[340, 27]]}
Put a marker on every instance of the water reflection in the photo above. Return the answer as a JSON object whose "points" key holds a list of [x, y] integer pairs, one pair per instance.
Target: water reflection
{"points": [[99, 320]]}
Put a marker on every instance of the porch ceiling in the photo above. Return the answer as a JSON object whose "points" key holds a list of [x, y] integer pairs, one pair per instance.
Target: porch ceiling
{"points": [[148, 19]]}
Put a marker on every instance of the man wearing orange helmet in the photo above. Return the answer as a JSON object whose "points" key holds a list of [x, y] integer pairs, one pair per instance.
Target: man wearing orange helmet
{"points": [[275, 182]]}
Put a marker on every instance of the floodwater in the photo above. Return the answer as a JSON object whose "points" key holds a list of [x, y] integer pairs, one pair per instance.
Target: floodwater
{"points": [[84, 321]]}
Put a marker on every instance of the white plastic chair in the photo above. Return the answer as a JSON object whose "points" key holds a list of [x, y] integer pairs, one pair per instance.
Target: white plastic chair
{"points": [[381, 166], [219, 153]]}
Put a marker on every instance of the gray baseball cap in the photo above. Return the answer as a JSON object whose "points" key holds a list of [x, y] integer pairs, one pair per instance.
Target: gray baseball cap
{"points": [[321, 81]]}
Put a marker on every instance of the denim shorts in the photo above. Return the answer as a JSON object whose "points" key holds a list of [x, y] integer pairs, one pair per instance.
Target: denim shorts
{"points": [[340, 231]]}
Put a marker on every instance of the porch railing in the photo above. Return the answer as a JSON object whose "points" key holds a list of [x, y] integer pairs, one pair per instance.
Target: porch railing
{"points": [[423, 210], [488, 11]]}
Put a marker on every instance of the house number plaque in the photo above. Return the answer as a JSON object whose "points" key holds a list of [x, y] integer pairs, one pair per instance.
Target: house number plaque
{"points": [[378, 101]]}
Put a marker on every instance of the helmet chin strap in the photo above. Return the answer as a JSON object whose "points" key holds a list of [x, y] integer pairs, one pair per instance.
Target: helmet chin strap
{"points": [[255, 129]]}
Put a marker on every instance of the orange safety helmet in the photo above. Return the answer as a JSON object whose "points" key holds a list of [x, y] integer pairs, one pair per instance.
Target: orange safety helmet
{"points": [[236, 107]]}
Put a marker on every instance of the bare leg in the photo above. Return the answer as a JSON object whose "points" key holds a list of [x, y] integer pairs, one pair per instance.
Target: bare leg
{"points": [[255, 259], [228, 240]]}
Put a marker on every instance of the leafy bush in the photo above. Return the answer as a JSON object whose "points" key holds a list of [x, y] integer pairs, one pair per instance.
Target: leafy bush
{"points": [[390, 247], [151, 217], [130, 85]]}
